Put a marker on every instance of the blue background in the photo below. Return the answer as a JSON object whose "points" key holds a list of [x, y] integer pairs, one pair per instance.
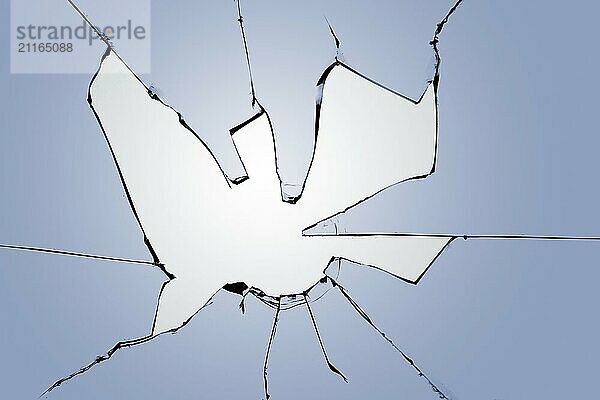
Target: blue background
{"points": [[491, 320]]}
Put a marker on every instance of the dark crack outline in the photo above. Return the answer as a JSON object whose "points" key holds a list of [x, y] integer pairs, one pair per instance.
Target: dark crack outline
{"points": [[241, 288], [332, 367], [408, 359], [434, 81], [77, 254], [269, 346], [122, 345]]}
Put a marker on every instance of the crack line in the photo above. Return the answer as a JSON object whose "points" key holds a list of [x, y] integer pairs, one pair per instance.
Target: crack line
{"points": [[98, 360], [466, 236], [366, 317], [335, 38], [123, 345], [439, 27], [243, 31], [77, 254], [314, 323], [266, 364]]}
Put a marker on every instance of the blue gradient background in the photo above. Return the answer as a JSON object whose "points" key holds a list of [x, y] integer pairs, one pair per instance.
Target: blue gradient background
{"points": [[491, 320]]}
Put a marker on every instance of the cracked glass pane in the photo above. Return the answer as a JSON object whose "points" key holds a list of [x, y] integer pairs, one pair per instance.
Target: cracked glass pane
{"points": [[248, 213], [55, 316], [187, 211], [179, 192]]}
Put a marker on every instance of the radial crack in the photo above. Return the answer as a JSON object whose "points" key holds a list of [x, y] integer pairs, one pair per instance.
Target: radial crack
{"points": [[98, 360], [314, 323], [121, 345], [69, 253], [243, 31], [335, 38], [409, 360], [266, 364], [439, 27]]}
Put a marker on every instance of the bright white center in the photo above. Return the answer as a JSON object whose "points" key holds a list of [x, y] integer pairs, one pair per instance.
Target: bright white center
{"points": [[208, 234]]}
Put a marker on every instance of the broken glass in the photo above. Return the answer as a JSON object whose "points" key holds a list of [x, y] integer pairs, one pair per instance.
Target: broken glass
{"points": [[178, 183]]}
